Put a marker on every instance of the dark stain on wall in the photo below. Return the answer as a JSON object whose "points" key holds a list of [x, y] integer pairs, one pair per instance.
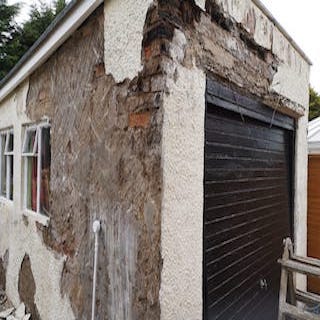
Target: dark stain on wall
{"points": [[27, 288], [2, 276], [3, 270]]}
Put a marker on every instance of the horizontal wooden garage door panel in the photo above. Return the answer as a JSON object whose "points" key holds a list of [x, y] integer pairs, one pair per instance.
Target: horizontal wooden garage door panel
{"points": [[246, 304], [220, 199], [230, 126], [223, 132], [241, 183], [220, 287]]}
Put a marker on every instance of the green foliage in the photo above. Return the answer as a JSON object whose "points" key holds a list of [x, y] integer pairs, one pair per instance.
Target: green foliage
{"points": [[314, 104], [59, 6], [9, 30], [16, 40]]}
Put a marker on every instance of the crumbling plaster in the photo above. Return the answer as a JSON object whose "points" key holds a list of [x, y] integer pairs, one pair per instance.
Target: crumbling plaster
{"points": [[292, 77], [19, 233]]}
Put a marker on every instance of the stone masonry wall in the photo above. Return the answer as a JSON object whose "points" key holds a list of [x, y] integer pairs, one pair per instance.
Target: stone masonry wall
{"points": [[105, 164]]}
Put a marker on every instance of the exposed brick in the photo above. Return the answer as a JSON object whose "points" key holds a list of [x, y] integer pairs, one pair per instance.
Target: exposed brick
{"points": [[99, 70], [139, 120], [147, 52]]}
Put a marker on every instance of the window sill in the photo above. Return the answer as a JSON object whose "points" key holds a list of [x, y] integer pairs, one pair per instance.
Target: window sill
{"points": [[6, 202], [37, 217]]}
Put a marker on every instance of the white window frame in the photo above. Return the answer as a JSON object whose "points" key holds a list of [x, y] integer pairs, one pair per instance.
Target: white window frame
{"points": [[7, 153], [36, 152]]}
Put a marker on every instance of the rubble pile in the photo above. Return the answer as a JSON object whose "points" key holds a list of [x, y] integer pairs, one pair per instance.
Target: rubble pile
{"points": [[8, 312]]}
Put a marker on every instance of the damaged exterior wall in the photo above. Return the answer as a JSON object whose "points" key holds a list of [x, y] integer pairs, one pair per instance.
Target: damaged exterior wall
{"points": [[105, 144], [19, 235], [245, 51], [126, 103]]}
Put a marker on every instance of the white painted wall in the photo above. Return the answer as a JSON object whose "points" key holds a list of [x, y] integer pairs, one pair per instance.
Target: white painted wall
{"points": [[21, 238], [182, 206], [124, 22], [201, 4]]}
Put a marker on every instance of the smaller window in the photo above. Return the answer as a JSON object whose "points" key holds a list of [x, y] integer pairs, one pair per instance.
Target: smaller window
{"points": [[30, 142], [6, 164], [36, 151]]}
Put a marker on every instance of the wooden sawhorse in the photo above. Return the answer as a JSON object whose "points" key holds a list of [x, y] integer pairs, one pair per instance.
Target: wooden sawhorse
{"points": [[289, 296]]}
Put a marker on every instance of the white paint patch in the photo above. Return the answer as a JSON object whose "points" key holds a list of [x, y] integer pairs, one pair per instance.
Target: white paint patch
{"points": [[292, 84], [292, 77], [46, 268], [263, 33], [301, 187], [124, 22], [201, 4], [182, 206], [20, 238]]}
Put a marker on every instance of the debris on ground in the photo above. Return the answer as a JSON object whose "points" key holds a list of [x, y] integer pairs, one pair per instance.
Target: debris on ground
{"points": [[8, 312], [3, 297]]}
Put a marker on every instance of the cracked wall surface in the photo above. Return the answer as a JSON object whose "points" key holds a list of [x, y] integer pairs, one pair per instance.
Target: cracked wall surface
{"points": [[20, 235], [105, 165], [126, 102]]}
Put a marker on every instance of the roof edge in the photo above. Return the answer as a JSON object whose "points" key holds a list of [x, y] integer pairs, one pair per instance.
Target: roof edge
{"points": [[270, 16], [55, 35]]}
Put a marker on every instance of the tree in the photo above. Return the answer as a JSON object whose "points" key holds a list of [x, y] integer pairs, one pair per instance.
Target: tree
{"points": [[21, 38], [9, 30], [314, 104]]}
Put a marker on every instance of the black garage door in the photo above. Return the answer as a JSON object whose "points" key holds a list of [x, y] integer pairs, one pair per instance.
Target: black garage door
{"points": [[248, 204]]}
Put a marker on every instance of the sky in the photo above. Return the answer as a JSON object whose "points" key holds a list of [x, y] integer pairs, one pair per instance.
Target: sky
{"points": [[300, 19], [25, 6]]}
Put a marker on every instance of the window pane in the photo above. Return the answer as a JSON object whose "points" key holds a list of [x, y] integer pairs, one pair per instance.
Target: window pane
{"points": [[45, 171], [31, 192], [10, 143], [29, 141], [3, 187], [11, 177]]}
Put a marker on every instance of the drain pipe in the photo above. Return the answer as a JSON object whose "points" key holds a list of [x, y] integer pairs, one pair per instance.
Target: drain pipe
{"points": [[96, 229]]}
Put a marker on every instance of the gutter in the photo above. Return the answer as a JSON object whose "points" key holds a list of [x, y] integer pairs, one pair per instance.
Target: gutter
{"points": [[269, 15], [69, 20]]}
